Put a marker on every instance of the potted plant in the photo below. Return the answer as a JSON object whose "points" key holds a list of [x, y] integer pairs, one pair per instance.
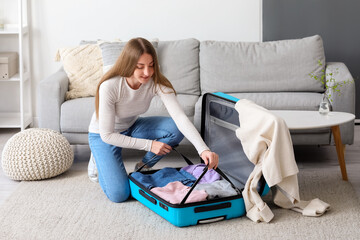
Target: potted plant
{"points": [[328, 79]]}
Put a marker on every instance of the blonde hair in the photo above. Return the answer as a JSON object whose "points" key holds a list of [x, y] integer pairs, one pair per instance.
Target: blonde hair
{"points": [[126, 63]]}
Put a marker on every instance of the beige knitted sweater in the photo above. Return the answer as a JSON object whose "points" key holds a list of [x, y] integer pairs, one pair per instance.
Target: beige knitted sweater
{"points": [[267, 143]]}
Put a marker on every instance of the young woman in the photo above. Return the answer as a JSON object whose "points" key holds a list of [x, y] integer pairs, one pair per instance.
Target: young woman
{"points": [[124, 93]]}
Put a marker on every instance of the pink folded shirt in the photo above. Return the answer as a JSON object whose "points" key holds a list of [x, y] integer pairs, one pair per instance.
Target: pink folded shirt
{"points": [[174, 192]]}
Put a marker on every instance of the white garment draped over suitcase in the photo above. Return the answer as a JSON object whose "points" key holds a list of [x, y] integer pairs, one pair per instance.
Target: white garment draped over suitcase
{"points": [[267, 144]]}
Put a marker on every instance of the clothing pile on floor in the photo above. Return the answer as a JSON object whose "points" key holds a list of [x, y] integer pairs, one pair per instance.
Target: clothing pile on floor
{"points": [[172, 185]]}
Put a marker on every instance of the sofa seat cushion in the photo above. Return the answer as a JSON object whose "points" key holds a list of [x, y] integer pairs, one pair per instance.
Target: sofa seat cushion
{"points": [[76, 114], [295, 101], [179, 62], [306, 101], [187, 102], [261, 67]]}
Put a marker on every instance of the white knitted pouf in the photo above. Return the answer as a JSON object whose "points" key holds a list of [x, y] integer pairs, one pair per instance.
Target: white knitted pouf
{"points": [[36, 153]]}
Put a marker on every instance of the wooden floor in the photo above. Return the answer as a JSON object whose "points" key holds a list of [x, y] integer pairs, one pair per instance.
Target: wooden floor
{"points": [[313, 157]]}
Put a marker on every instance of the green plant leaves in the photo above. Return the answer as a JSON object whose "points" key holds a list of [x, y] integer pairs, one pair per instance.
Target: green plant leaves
{"points": [[329, 81]]}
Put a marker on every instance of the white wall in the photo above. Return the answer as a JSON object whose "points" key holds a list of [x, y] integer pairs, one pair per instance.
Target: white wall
{"points": [[61, 23]]}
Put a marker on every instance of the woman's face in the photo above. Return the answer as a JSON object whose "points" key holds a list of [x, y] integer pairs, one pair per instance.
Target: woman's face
{"points": [[143, 72]]}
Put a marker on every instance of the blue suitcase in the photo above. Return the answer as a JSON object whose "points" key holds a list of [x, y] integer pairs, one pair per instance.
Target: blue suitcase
{"points": [[218, 123]]}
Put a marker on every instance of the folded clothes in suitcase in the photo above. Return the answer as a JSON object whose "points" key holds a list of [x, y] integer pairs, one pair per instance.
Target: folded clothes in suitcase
{"points": [[219, 121]]}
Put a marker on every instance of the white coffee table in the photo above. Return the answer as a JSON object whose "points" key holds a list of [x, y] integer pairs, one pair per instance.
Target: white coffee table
{"points": [[300, 120]]}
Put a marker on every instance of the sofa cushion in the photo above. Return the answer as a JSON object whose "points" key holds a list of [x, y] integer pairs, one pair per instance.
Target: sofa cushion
{"points": [[76, 114], [261, 67], [187, 102], [306, 101], [179, 62], [83, 66]]}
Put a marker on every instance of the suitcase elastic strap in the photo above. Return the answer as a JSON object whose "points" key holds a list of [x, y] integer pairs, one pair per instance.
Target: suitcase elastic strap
{"points": [[151, 160], [198, 180], [202, 174], [221, 173], [194, 185], [185, 158]]}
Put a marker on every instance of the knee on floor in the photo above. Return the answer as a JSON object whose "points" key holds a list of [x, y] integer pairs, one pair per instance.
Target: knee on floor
{"points": [[118, 196]]}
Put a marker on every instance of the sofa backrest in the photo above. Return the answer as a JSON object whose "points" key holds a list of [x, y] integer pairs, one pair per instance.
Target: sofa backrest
{"points": [[261, 67], [179, 62]]}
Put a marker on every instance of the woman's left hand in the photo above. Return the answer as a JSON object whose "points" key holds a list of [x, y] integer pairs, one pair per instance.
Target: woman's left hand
{"points": [[210, 158]]}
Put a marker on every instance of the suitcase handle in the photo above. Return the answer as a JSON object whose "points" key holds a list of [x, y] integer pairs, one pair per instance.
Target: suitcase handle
{"points": [[212, 207], [211, 220], [152, 200]]}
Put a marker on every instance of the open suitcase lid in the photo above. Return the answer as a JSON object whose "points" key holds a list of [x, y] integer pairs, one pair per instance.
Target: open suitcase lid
{"points": [[219, 120]]}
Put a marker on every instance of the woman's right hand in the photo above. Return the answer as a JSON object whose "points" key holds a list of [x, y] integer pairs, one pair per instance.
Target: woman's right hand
{"points": [[160, 148]]}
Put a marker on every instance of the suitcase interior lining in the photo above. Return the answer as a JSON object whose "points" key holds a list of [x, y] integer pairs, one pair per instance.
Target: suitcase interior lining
{"points": [[219, 122], [163, 201]]}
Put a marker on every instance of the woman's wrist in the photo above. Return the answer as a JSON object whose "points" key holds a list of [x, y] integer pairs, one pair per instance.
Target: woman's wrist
{"points": [[210, 158], [203, 151], [150, 143]]}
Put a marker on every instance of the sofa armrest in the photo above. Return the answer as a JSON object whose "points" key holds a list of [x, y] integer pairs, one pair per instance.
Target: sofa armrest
{"points": [[50, 95], [345, 101]]}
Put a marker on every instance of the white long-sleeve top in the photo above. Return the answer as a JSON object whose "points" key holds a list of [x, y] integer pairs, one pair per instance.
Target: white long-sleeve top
{"points": [[120, 106]]}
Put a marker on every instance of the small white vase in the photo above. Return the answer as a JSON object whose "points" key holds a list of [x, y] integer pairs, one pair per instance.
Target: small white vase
{"points": [[325, 104]]}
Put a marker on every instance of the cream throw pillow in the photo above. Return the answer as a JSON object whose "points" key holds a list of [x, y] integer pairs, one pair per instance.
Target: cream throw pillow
{"points": [[83, 66]]}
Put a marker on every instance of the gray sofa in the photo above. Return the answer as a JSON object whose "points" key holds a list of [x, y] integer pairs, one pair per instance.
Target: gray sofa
{"points": [[272, 74]]}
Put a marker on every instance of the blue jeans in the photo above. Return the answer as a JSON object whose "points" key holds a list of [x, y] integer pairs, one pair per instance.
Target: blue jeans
{"points": [[112, 174]]}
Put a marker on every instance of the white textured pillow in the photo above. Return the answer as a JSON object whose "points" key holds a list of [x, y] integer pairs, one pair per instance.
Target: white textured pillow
{"points": [[111, 51], [83, 66]]}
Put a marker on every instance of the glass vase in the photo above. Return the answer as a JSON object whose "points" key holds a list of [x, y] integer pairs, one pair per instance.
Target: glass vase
{"points": [[325, 104]]}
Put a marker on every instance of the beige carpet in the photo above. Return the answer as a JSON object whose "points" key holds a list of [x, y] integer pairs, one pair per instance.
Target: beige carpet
{"points": [[71, 207]]}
